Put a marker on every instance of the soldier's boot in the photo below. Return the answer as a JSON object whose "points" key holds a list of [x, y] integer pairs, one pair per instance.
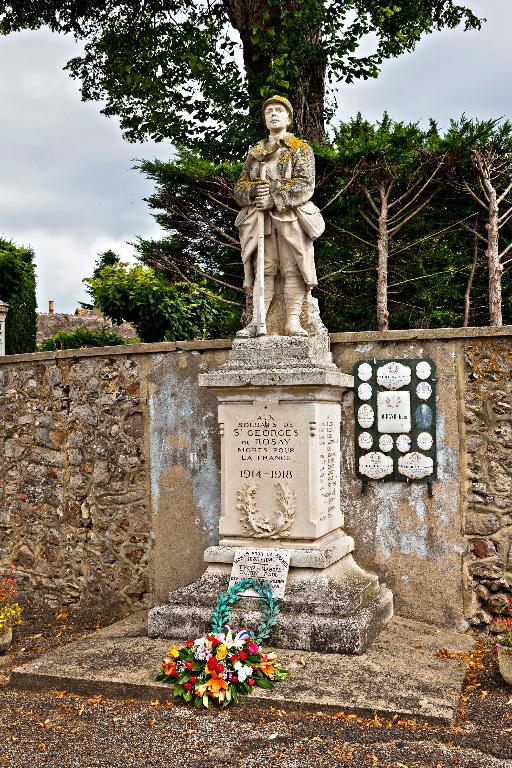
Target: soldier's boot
{"points": [[251, 329], [294, 292]]}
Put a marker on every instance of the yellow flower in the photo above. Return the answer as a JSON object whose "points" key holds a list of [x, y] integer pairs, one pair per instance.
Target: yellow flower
{"points": [[174, 652], [222, 652]]}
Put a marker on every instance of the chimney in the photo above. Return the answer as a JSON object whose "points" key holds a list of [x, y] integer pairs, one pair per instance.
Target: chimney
{"points": [[50, 307]]}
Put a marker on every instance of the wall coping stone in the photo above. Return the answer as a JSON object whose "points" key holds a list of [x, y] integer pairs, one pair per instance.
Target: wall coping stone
{"points": [[349, 337]]}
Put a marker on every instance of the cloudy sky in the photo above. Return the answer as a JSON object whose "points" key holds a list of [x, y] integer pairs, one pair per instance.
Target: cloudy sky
{"points": [[67, 187]]}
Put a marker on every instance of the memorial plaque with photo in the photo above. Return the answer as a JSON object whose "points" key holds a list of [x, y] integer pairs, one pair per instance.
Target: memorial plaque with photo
{"points": [[269, 564], [395, 404]]}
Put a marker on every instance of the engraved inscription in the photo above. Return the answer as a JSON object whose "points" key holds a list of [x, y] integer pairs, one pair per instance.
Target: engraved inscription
{"points": [[393, 412], [269, 564], [424, 390], [328, 447], [415, 465], [393, 375], [386, 443], [375, 465], [425, 441]]}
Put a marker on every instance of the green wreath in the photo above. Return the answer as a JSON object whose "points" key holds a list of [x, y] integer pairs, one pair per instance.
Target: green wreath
{"points": [[270, 607]]}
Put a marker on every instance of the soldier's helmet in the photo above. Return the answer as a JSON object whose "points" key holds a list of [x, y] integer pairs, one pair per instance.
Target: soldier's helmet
{"points": [[279, 100]]}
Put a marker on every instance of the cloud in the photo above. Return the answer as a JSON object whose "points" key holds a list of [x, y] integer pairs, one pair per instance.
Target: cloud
{"points": [[67, 185], [450, 73]]}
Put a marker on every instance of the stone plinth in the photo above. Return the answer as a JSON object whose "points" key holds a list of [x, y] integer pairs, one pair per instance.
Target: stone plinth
{"points": [[279, 423]]}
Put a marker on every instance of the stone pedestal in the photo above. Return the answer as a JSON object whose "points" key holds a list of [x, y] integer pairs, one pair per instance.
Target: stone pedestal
{"points": [[279, 421]]}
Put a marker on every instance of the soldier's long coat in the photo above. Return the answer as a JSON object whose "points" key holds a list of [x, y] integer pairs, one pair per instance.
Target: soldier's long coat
{"points": [[290, 167]]}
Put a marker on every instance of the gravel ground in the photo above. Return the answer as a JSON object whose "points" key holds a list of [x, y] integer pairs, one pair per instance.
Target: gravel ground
{"points": [[65, 730]]}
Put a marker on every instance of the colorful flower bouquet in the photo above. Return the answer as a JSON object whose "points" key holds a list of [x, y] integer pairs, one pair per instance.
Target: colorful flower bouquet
{"points": [[225, 664], [504, 625], [10, 610]]}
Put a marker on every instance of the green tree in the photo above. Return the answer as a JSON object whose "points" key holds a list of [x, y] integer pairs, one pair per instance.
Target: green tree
{"points": [[18, 289], [105, 259], [170, 68], [158, 309], [395, 167]]}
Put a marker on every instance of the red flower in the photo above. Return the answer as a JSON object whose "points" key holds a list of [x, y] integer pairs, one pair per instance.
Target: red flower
{"points": [[233, 658], [187, 686], [215, 642], [189, 643], [243, 655], [219, 668], [212, 663], [234, 679], [193, 680], [189, 665], [251, 681]]}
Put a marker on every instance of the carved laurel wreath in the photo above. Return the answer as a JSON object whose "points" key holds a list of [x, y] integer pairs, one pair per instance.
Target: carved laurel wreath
{"points": [[271, 525]]}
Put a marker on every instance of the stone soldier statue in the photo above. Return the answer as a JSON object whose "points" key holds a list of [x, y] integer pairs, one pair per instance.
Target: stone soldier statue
{"points": [[278, 181]]}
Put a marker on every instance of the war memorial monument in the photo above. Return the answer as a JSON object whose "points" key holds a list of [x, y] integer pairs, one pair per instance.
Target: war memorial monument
{"points": [[279, 415]]}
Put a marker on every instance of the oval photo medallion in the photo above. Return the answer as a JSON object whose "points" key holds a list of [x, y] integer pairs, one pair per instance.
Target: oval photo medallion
{"points": [[364, 372], [423, 416], [386, 443], [424, 441], [365, 440], [364, 391], [365, 416], [423, 370], [403, 443], [424, 390]]}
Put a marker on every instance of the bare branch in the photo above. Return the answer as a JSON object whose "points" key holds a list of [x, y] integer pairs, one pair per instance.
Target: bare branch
{"points": [[504, 194], [479, 201], [222, 205], [504, 217], [417, 195], [423, 277], [475, 232], [428, 237], [505, 250], [347, 185], [371, 200], [352, 234], [368, 220], [414, 213], [346, 272]]}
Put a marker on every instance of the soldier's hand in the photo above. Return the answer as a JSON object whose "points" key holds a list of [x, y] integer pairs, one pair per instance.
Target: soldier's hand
{"points": [[262, 200], [262, 188]]}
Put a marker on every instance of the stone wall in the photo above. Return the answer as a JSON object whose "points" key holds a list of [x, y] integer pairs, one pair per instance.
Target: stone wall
{"points": [[109, 475], [74, 510], [488, 521]]}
